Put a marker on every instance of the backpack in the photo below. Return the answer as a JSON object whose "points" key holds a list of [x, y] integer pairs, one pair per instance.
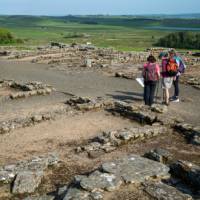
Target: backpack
{"points": [[172, 67], [150, 73], [182, 66]]}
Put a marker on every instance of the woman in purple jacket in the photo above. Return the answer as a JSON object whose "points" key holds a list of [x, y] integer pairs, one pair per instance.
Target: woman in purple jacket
{"points": [[166, 80]]}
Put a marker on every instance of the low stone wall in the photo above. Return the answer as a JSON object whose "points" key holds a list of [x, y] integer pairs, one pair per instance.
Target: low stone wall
{"points": [[109, 141], [191, 132], [87, 104], [144, 114], [35, 118], [24, 90], [126, 75]]}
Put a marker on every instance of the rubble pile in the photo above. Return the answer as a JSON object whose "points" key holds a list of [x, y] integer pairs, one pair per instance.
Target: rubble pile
{"points": [[24, 177], [79, 56]]}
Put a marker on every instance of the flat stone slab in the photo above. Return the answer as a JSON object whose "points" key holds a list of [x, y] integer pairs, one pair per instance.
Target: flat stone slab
{"points": [[161, 191], [27, 182], [136, 169], [99, 180]]}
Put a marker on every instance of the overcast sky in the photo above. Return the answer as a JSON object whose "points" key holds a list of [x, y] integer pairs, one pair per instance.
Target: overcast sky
{"points": [[115, 7]]}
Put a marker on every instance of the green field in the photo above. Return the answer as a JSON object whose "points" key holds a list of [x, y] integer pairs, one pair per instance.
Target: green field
{"points": [[120, 32]]}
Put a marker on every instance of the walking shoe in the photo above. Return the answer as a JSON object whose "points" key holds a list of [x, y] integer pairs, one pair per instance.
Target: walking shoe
{"points": [[172, 98], [175, 100]]}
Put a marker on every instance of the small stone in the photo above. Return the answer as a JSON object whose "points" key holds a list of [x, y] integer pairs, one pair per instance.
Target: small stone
{"points": [[78, 178], [92, 147], [76, 194], [62, 191], [46, 116], [53, 159], [126, 135], [195, 140], [37, 118], [159, 155], [10, 168], [6, 177], [97, 195], [108, 147], [78, 149], [95, 154]]}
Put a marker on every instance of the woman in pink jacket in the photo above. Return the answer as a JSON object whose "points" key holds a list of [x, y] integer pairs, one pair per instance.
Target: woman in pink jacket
{"points": [[151, 75]]}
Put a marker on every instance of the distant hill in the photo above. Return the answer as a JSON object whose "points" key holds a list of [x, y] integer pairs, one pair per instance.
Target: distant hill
{"points": [[125, 32], [177, 16], [186, 21]]}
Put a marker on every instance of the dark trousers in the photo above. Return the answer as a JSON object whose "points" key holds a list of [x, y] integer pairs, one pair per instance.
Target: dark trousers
{"points": [[176, 86], [149, 92]]}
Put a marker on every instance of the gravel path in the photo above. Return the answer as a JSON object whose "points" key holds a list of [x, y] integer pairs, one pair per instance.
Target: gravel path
{"points": [[93, 84]]}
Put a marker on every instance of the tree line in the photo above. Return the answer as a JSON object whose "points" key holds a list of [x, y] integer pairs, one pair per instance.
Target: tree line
{"points": [[182, 40]]}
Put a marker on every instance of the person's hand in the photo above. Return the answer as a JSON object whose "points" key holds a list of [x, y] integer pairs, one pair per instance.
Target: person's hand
{"points": [[178, 74], [174, 78]]}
